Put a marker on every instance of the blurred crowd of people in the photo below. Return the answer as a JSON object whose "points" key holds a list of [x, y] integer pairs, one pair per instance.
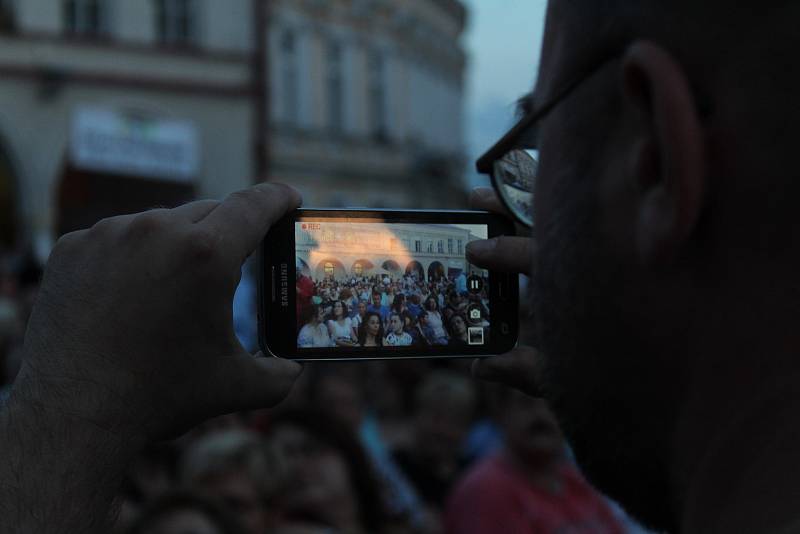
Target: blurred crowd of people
{"points": [[379, 447], [396, 311]]}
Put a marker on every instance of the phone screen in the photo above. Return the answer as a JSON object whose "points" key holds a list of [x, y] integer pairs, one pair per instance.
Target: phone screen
{"points": [[391, 287]]}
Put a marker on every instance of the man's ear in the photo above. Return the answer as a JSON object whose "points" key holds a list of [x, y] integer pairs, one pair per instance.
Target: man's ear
{"points": [[668, 157]]}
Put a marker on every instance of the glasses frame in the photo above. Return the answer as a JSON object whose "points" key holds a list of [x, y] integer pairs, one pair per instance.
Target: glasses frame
{"points": [[510, 141]]}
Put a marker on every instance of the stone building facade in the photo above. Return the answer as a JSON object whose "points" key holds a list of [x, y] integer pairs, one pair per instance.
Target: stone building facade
{"points": [[114, 106]]}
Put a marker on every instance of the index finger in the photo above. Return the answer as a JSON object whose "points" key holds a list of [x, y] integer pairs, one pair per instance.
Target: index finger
{"points": [[242, 220], [484, 198], [520, 369]]}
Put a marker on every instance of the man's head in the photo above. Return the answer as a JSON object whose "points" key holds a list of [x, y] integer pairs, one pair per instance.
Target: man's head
{"points": [[665, 182], [376, 298]]}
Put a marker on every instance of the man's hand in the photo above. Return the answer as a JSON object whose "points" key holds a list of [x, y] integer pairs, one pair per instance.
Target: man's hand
{"points": [[131, 340], [520, 368], [133, 327]]}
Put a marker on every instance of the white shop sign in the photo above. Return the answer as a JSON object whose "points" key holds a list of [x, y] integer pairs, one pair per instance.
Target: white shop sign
{"points": [[104, 140]]}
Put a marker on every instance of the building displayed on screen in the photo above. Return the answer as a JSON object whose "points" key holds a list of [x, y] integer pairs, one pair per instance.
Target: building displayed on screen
{"points": [[345, 250]]}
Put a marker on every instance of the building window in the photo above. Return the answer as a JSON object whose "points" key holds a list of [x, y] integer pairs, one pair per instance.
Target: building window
{"points": [[84, 17], [417, 246], [430, 247], [358, 269], [335, 89], [330, 269], [376, 76], [175, 22], [440, 247], [460, 247], [449, 246], [289, 79], [7, 20]]}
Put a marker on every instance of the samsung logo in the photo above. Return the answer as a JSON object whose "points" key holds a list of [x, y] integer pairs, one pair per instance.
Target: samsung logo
{"points": [[284, 285]]}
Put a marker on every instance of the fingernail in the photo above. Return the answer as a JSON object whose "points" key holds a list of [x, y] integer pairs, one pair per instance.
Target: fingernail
{"points": [[478, 249]]}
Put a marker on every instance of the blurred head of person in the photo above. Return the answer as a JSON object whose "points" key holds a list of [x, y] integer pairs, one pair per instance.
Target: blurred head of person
{"points": [[340, 310], [186, 513], [328, 479], [314, 315], [457, 326], [233, 467], [399, 302], [370, 330], [408, 321], [362, 308], [432, 304], [444, 405], [396, 323], [530, 429], [338, 391], [376, 298]]}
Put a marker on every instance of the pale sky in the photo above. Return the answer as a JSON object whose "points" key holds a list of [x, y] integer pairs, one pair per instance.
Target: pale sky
{"points": [[503, 41]]}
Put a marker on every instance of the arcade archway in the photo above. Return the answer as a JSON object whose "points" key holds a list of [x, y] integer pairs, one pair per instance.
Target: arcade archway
{"points": [[416, 270], [330, 268], [436, 271]]}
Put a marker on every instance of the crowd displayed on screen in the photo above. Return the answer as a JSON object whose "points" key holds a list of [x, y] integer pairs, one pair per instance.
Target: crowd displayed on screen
{"points": [[390, 311]]}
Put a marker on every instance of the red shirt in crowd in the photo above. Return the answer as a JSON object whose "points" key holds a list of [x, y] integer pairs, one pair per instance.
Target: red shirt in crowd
{"points": [[494, 497]]}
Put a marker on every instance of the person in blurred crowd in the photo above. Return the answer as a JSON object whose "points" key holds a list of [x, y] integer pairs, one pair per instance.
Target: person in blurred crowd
{"points": [[314, 333], [414, 306], [434, 320], [382, 310], [397, 336], [443, 410], [234, 468], [530, 486], [371, 332], [411, 327], [339, 392], [340, 326], [186, 513], [399, 303], [461, 283], [328, 479], [347, 296], [358, 318], [457, 326], [305, 292], [428, 331]]}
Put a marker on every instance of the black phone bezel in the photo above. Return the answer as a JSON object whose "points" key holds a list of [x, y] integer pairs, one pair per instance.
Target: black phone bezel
{"points": [[277, 293]]}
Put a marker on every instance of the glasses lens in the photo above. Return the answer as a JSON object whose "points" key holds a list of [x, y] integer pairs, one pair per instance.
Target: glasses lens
{"points": [[515, 175]]}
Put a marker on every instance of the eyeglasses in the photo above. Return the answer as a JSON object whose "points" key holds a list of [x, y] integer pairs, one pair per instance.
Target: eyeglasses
{"points": [[513, 162]]}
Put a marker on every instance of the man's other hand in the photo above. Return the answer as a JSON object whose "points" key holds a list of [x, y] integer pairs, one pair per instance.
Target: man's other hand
{"points": [[520, 368], [133, 327]]}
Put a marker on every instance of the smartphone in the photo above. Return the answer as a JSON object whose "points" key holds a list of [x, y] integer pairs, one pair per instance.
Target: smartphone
{"points": [[383, 284]]}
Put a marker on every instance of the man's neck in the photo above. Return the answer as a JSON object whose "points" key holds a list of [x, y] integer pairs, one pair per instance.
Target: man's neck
{"points": [[745, 478]]}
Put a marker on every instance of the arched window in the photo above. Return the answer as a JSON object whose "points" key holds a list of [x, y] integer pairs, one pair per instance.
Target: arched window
{"points": [[335, 88], [376, 79], [175, 21], [289, 80], [84, 17], [330, 269], [358, 269]]}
